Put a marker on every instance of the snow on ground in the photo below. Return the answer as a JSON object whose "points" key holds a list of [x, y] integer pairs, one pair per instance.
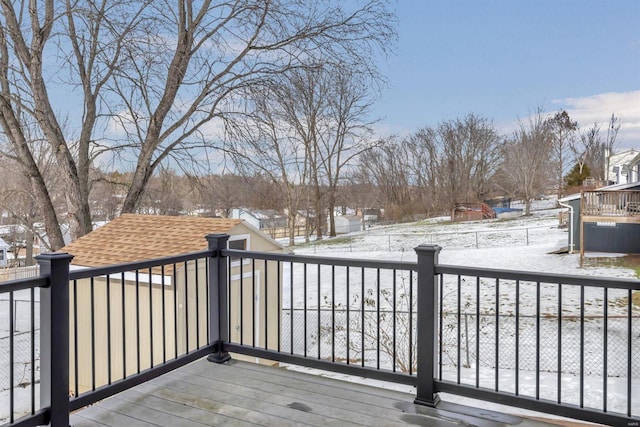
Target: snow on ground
{"points": [[523, 244]]}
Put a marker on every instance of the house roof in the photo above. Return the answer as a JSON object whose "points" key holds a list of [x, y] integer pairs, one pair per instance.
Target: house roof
{"points": [[132, 237], [3, 244], [350, 218], [263, 213]]}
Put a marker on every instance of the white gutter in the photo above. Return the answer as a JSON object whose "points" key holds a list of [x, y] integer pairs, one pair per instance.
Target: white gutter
{"points": [[570, 224]]}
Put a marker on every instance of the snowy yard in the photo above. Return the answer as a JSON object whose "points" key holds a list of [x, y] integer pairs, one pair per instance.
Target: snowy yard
{"points": [[522, 244]]}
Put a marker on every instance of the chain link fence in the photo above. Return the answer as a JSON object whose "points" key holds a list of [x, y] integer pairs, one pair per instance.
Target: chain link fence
{"points": [[327, 336], [22, 366], [477, 341], [399, 242]]}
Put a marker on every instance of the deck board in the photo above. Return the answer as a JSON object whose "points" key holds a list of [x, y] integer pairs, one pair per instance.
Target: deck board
{"points": [[245, 394]]}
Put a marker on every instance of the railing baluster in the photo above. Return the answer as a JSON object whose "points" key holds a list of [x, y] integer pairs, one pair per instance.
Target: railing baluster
{"points": [[92, 324], [378, 317], [581, 346], [497, 337], [629, 350], [291, 304], [410, 310], [151, 364], [605, 345], [394, 313], [363, 316], [517, 344], [76, 362], [559, 379], [124, 331], [333, 313], [11, 360], [458, 329], [279, 304], [164, 315], [174, 277], [537, 340], [208, 308], [198, 321], [241, 301], [266, 305], [33, 352], [186, 307], [304, 310], [137, 310], [348, 304], [477, 332], [318, 316], [108, 290], [254, 318]]}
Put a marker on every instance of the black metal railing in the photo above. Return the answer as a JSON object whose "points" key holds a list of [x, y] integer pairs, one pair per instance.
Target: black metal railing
{"points": [[103, 330], [537, 341], [19, 349], [566, 345], [352, 316]]}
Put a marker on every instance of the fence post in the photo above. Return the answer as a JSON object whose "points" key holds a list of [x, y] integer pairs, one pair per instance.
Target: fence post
{"points": [[54, 337], [427, 310], [218, 316]]}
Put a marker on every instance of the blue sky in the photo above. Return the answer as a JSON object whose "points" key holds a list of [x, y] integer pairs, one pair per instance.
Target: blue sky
{"points": [[503, 59]]}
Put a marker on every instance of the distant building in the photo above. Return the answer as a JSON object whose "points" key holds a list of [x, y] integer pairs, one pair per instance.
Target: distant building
{"points": [[624, 167], [348, 224], [4, 248], [260, 218]]}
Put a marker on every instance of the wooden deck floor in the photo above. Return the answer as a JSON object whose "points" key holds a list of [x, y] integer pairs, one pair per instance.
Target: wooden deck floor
{"points": [[244, 394]]}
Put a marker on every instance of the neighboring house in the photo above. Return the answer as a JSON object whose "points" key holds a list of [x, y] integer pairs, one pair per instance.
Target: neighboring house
{"points": [[4, 248], [348, 224], [605, 220], [370, 215], [177, 290], [261, 219], [624, 167]]}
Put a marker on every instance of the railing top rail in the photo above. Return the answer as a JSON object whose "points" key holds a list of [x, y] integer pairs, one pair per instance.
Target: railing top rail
{"points": [[21, 284], [529, 276], [310, 259], [137, 265]]}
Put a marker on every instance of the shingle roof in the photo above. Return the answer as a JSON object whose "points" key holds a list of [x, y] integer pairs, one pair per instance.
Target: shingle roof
{"points": [[132, 237]]}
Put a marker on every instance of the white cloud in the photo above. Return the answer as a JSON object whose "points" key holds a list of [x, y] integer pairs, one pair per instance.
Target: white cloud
{"points": [[598, 108]]}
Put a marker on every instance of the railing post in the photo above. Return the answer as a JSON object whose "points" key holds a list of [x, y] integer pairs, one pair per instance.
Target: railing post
{"points": [[54, 337], [218, 316], [427, 310]]}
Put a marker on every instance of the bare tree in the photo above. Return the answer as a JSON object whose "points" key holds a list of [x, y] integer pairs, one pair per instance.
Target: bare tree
{"points": [[341, 131], [153, 76], [469, 156], [588, 150], [527, 154], [386, 167], [264, 144], [611, 141], [564, 131]]}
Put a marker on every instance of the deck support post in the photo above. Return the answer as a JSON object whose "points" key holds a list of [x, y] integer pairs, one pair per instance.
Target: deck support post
{"points": [[54, 337], [218, 316], [427, 311]]}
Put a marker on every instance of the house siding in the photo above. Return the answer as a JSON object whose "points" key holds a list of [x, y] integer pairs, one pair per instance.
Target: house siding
{"points": [[612, 237]]}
